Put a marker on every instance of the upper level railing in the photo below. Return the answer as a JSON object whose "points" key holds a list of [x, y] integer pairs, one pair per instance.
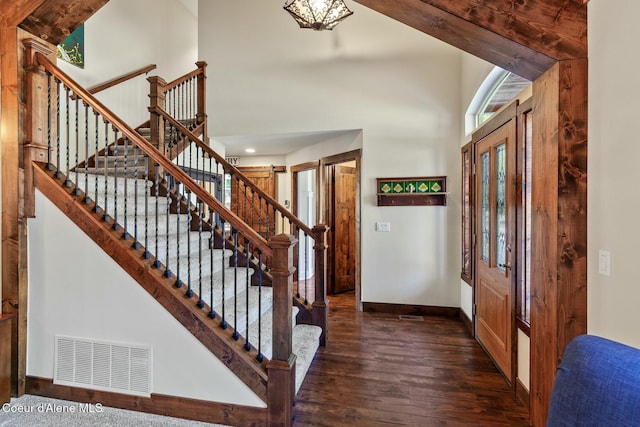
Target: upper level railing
{"points": [[121, 79], [184, 98]]}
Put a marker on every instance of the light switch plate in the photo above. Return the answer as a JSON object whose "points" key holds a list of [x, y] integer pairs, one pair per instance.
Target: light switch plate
{"points": [[383, 227], [604, 262]]}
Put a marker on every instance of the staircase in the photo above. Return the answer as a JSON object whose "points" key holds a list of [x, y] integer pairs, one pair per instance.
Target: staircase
{"points": [[208, 274], [152, 203]]}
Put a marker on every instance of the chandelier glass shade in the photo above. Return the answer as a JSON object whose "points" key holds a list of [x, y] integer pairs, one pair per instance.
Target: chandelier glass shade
{"points": [[317, 14]]}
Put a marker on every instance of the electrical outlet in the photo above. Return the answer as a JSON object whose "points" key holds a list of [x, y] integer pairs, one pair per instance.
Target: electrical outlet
{"points": [[383, 227]]}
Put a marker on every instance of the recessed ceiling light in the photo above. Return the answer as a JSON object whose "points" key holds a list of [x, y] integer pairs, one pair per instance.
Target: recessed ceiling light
{"points": [[250, 150]]}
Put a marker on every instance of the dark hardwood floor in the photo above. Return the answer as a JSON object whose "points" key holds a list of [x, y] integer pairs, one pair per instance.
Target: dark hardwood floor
{"points": [[378, 370]]}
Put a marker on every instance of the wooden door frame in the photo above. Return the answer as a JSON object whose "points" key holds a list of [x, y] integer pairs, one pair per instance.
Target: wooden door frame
{"points": [[295, 169], [294, 184], [325, 207]]}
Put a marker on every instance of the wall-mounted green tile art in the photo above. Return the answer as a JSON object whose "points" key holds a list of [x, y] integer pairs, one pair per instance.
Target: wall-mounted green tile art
{"points": [[71, 49], [418, 191]]}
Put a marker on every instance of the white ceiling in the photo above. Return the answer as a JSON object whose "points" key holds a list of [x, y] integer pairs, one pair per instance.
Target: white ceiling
{"points": [[271, 82]]}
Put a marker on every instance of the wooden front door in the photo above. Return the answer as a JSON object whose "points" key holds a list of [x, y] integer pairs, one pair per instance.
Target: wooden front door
{"points": [[495, 228], [344, 228]]}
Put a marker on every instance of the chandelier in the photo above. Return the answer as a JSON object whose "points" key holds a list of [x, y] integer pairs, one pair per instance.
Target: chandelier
{"points": [[317, 14]]}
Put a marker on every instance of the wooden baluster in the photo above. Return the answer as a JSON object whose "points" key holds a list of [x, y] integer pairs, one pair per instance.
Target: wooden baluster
{"points": [[201, 115], [319, 314], [281, 368]]}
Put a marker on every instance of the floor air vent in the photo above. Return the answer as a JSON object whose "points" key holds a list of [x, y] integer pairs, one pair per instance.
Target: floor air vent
{"points": [[411, 317], [120, 368]]}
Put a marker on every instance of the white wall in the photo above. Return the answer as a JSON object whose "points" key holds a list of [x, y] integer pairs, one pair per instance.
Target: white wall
{"points": [[614, 149], [279, 160], [80, 292], [473, 73], [126, 35], [398, 85]]}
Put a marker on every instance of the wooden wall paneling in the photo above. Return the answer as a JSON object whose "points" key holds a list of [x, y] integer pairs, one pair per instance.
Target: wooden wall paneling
{"points": [[12, 300], [559, 221], [5, 357], [16, 132]]}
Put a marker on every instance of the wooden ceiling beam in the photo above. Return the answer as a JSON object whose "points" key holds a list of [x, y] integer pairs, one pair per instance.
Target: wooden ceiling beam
{"points": [[54, 20], [556, 28], [526, 38], [13, 12]]}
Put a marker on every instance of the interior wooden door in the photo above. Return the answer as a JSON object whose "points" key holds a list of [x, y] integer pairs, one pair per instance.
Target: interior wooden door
{"points": [[343, 228], [249, 206], [495, 225]]}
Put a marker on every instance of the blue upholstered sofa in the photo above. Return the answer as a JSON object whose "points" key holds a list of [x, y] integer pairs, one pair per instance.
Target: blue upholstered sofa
{"points": [[597, 384]]}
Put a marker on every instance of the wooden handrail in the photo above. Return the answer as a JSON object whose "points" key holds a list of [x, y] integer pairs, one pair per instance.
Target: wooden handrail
{"points": [[182, 79], [226, 165], [157, 156], [116, 81]]}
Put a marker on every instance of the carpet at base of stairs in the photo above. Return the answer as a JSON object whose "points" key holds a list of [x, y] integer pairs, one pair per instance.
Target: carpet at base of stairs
{"points": [[306, 340]]}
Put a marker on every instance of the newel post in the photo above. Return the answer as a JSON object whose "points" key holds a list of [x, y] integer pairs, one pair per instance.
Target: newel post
{"points": [[282, 366], [320, 311], [201, 115], [35, 144], [156, 100]]}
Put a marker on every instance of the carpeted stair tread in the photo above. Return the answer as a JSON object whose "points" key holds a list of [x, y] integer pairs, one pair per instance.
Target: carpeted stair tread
{"points": [[305, 341]]}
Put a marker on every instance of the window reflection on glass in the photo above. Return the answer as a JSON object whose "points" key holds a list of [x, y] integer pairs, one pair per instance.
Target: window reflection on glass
{"points": [[466, 213], [501, 209], [485, 206], [525, 279]]}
